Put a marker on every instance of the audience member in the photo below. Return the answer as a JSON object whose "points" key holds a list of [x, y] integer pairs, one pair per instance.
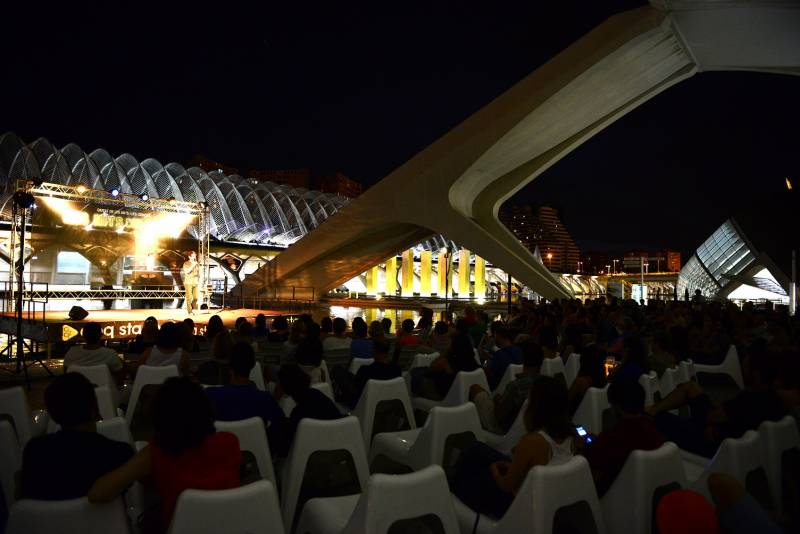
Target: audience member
{"points": [[93, 352], [339, 339], [376, 330], [309, 357], [326, 327], [351, 386], [634, 360], [498, 414], [434, 382], [591, 373], [279, 333], [506, 354], [261, 329], [296, 334], [216, 371], [486, 480], [146, 339], [440, 340], [360, 347], [188, 340], [738, 511], [387, 328], [65, 464], [662, 356], [186, 452], [167, 350], [214, 327], [686, 512], [633, 431]]}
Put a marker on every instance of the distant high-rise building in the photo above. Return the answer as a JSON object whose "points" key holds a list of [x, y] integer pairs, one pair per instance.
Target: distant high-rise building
{"points": [[658, 261], [338, 184], [207, 164], [542, 227], [293, 177]]}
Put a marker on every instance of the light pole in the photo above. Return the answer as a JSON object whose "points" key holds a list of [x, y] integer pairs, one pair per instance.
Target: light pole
{"points": [[615, 266], [446, 254], [550, 261]]}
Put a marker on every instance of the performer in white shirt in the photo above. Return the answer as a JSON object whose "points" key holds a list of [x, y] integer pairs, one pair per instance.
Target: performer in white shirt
{"points": [[191, 274]]}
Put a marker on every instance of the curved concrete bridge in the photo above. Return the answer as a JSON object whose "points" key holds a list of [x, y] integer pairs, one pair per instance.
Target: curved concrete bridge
{"points": [[456, 186]]}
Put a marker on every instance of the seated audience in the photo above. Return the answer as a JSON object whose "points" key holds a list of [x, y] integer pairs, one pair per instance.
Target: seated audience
{"points": [[405, 338], [506, 354], [325, 327], [686, 512], [167, 350], [498, 414], [360, 347], [708, 425], [261, 330], [440, 340], [279, 332], [297, 334], [93, 352], [486, 480], [425, 323], [216, 370], [241, 399], [310, 402], [434, 382], [662, 356], [309, 357], [351, 386], [339, 339], [214, 327], [189, 341], [65, 464], [592, 373], [186, 452], [738, 511], [634, 360], [633, 431], [387, 328], [376, 330], [244, 334], [146, 339]]}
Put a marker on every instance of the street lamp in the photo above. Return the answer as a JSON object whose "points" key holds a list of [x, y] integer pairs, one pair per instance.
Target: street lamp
{"points": [[550, 261], [615, 266]]}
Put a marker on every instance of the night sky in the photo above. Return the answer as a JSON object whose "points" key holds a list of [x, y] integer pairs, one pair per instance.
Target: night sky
{"points": [[363, 89]]}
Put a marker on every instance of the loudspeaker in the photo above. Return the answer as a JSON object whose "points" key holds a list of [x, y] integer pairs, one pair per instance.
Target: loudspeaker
{"points": [[78, 314]]}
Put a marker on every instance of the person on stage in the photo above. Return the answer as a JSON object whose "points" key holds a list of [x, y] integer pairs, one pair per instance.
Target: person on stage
{"points": [[191, 274]]}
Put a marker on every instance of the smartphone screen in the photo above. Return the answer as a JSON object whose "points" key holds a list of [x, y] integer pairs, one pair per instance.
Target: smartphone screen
{"points": [[584, 434]]}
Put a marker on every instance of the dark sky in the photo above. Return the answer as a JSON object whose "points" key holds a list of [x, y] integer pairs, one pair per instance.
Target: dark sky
{"points": [[362, 89]]}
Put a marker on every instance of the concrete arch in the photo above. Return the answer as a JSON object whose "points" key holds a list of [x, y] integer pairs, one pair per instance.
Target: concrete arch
{"points": [[459, 182]]}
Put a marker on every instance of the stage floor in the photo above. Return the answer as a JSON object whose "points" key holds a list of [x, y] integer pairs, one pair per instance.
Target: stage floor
{"points": [[126, 324]]}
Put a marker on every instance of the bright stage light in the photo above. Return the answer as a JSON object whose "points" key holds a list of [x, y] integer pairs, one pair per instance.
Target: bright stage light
{"points": [[145, 197], [81, 189], [88, 227], [172, 201], [69, 215], [114, 192]]}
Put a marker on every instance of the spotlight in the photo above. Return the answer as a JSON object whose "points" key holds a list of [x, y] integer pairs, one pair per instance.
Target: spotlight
{"points": [[172, 200], [81, 189], [145, 197], [23, 199], [114, 192]]}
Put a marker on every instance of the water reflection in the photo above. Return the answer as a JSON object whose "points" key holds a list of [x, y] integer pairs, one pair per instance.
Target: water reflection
{"points": [[348, 313]]}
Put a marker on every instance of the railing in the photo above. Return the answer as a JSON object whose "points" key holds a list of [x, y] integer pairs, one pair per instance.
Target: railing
{"points": [[269, 296]]}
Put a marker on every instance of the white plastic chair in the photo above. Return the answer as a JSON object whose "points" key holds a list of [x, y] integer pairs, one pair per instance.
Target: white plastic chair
{"points": [[358, 363], [628, 503], [511, 372], [257, 376], [590, 411], [10, 461], [250, 509], [572, 368], [312, 436], [424, 360], [337, 357], [74, 516], [458, 393], [554, 367], [425, 446], [287, 403], [252, 438], [105, 402], [27, 423], [375, 392], [507, 442], [146, 375], [736, 457], [670, 380], [99, 375], [386, 500], [117, 429], [651, 387], [546, 489], [776, 439], [687, 370], [730, 366]]}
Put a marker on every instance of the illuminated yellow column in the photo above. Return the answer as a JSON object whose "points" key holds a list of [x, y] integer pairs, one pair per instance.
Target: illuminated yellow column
{"points": [[480, 277], [425, 260], [463, 273], [391, 276], [372, 281], [371, 314], [443, 271], [407, 273]]}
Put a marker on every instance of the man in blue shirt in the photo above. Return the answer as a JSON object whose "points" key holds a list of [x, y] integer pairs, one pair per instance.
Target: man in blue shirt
{"points": [[241, 399], [499, 360]]}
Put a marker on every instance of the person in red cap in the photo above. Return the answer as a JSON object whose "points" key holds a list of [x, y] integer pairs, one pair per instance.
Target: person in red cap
{"points": [[686, 512]]}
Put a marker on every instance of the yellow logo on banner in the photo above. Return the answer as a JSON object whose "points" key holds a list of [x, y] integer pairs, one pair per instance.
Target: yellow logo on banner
{"points": [[67, 332]]}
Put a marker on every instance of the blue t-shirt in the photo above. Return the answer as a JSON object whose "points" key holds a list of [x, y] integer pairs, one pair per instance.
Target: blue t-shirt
{"points": [[628, 371], [500, 361], [237, 402], [361, 348]]}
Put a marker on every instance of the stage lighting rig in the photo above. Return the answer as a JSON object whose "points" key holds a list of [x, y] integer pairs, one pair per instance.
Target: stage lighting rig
{"points": [[114, 192], [23, 199], [145, 197]]}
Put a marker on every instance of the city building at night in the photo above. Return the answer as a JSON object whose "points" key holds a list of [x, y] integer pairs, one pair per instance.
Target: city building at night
{"points": [[541, 227]]}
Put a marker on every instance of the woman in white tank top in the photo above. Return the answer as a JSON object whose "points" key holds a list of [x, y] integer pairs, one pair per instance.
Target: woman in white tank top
{"points": [[167, 350], [487, 480]]}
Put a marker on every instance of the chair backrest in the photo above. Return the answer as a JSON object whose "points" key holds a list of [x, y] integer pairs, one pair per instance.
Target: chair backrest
{"points": [[590, 411], [272, 352], [434, 445], [511, 371], [147, 374], [389, 499], [337, 357], [687, 370], [251, 509], [358, 363], [572, 367], [257, 376], [314, 436], [115, 428], [99, 375], [630, 502], [75, 516], [423, 360], [778, 438], [515, 432], [553, 495], [554, 367], [459, 391], [252, 438], [375, 392], [652, 393], [105, 402], [14, 404], [670, 380], [406, 356], [287, 403], [10, 461], [741, 458], [730, 366]]}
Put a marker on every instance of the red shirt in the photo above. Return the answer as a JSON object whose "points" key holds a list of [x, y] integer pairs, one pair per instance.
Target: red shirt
{"points": [[213, 465], [405, 340], [608, 452]]}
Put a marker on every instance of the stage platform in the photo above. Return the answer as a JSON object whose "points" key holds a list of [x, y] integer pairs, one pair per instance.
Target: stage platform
{"points": [[119, 324]]}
